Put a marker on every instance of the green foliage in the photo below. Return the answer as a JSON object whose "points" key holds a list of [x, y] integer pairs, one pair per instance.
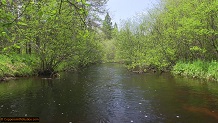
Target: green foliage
{"points": [[197, 69], [212, 70], [63, 34], [107, 26], [109, 51], [53, 31], [176, 30], [18, 65], [137, 48]]}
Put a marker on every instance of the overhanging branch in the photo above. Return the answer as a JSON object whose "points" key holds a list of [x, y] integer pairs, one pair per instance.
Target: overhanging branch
{"points": [[77, 11], [18, 16]]}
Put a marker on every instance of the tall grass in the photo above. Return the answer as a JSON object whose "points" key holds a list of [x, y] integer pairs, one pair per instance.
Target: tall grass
{"points": [[18, 65], [197, 69]]}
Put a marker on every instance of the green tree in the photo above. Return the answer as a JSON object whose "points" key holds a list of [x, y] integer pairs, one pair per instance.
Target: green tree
{"points": [[115, 26], [55, 31], [107, 26], [176, 30], [95, 9]]}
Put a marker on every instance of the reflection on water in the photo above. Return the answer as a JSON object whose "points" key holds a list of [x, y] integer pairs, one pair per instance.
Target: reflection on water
{"points": [[109, 93]]}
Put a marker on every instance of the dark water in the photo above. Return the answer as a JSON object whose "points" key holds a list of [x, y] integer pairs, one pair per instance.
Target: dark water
{"points": [[108, 93]]}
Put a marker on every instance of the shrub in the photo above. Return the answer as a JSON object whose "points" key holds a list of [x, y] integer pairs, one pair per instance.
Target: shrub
{"points": [[197, 69]]}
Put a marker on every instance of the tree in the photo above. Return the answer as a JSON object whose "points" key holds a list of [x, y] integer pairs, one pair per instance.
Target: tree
{"points": [[107, 26], [95, 9], [115, 26], [55, 31], [177, 30]]}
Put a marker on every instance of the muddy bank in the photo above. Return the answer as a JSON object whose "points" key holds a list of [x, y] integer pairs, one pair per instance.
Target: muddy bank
{"points": [[7, 78]]}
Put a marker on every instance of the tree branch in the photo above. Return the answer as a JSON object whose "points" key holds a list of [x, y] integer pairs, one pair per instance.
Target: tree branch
{"points": [[77, 8], [18, 16], [60, 7]]}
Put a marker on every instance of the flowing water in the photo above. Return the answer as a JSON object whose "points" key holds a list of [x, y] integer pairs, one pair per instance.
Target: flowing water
{"points": [[108, 93]]}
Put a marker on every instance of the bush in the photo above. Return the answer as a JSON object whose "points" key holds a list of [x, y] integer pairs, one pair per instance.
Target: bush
{"points": [[197, 69], [18, 65]]}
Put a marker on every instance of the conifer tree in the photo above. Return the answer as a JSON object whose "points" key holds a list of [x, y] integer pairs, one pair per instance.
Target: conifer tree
{"points": [[107, 26]]}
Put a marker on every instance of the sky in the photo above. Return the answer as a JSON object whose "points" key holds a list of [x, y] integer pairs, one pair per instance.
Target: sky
{"points": [[125, 9]]}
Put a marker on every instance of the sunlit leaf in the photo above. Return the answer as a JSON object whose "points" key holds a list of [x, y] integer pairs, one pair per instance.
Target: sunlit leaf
{"points": [[40, 14], [21, 23], [5, 49], [4, 2]]}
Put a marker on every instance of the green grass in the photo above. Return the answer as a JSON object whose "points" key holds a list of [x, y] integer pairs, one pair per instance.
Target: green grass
{"points": [[197, 69], [18, 65]]}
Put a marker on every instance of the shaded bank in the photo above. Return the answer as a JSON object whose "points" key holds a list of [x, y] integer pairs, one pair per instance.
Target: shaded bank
{"points": [[25, 65]]}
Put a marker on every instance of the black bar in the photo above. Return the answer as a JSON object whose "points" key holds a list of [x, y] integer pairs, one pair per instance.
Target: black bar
{"points": [[19, 119]]}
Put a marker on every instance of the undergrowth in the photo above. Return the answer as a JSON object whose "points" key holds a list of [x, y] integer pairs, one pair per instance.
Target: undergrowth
{"points": [[197, 69], [18, 65]]}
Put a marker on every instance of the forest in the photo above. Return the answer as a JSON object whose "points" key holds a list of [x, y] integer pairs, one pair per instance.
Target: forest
{"points": [[180, 36], [42, 37]]}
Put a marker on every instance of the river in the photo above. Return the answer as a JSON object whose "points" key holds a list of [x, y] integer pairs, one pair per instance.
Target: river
{"points": [[108, 93]]}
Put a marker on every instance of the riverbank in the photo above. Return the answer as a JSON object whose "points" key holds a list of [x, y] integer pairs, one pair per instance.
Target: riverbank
{"points": [[24, 65], [197, 69], [18, 65]]}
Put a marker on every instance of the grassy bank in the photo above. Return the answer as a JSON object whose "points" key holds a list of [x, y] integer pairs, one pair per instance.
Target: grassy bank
{"points": [[18, 65], [197, 69]]}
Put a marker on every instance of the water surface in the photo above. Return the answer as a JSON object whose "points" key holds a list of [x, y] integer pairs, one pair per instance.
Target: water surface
{"points": [[108, 93]]}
